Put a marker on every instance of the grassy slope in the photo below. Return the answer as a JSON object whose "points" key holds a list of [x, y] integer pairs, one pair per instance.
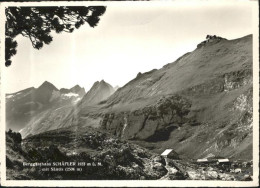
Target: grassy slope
{"points": [[202, 65], [200, 76]]}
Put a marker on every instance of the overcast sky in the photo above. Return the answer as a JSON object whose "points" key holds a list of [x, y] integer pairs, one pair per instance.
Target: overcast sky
{"points": [[127, 40]]}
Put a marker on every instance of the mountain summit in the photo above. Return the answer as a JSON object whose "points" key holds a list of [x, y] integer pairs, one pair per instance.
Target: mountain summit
{"points": [[45, 93], [47, 86], [76, 90], [98, 92]]}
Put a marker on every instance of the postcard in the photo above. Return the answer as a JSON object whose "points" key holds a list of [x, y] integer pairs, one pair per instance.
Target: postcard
{"points": [[130, 93]]}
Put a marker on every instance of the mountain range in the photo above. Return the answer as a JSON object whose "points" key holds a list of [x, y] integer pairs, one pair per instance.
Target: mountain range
{"points": [[199, 105], [33, 107]]}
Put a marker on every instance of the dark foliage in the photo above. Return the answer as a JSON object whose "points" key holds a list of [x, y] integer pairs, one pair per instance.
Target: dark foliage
{"points": [[36, 23], [51, 153], [17, 137]]}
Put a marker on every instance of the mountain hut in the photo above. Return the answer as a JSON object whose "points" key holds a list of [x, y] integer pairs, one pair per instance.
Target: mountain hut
{"points": [[170, 153], [224, 162]]}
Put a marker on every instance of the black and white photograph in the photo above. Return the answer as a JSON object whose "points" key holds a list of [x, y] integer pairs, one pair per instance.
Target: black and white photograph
{"points": [[118, 91]]}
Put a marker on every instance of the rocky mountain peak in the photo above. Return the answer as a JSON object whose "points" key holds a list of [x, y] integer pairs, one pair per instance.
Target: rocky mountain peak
{"points": [[77, 89], [98, 92], [47, 85]]}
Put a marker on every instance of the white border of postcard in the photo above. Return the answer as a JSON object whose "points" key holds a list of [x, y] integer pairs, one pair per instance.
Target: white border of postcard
{"points": [[137, 183]]}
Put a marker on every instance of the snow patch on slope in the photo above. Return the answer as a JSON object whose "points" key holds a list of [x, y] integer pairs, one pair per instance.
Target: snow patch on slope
{"points": [[71, 95]]}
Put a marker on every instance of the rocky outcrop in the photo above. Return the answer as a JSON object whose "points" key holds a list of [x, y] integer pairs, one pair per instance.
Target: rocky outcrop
{"points": [[210, 39], [110, 157], [236, 79]]}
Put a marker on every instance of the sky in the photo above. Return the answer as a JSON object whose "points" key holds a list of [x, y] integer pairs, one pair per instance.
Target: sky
{"points": [[128, 40]]}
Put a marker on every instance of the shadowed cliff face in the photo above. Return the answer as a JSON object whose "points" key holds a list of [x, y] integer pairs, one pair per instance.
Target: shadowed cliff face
{"points": [[166, 114]]}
